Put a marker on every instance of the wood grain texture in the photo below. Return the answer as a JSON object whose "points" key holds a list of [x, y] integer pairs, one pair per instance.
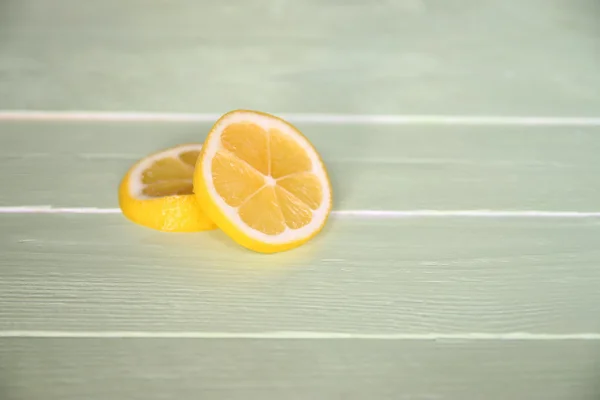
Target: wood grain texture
{"points": [[372, 167], [59, 369], [361, 276], [408, 56], [412, 276]]}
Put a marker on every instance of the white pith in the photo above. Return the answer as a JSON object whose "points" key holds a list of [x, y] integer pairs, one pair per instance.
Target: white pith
{"points": [[135, 178], [213, 144]]}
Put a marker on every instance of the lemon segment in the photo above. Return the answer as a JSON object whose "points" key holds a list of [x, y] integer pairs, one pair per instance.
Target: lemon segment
{"points": [[157, 192], [262, 182]]}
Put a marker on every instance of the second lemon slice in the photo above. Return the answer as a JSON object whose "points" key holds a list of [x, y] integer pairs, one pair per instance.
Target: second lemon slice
{"points": [[157, 191], [262, 182]]}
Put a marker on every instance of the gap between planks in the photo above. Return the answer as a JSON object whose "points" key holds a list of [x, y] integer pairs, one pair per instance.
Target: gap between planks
{"points": [[389, 214], [316, 118], [284, 335]]}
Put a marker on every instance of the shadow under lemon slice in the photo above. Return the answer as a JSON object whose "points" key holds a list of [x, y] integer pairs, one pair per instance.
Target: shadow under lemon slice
{"points": [[157, 191]]}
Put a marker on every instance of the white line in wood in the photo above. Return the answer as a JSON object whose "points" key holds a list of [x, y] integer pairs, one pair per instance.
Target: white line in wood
{"points": [[335, 119], [45, 209], [510, 336], [57, 210], [466, 213]]}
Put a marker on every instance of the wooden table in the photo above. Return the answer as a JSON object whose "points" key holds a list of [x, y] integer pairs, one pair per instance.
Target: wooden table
{"points": [[462, 260]]}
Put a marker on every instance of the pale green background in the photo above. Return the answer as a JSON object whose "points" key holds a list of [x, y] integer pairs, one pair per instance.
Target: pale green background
{"points": [[455, 308]]}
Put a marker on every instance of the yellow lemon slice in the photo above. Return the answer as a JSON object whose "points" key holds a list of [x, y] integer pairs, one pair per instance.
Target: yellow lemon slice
{"points": [[262, 182], [157, 192]]}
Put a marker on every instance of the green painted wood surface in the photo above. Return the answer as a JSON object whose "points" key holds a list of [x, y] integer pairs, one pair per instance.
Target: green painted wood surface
{"points": [[372, 167], [436, 307], [402, 276], [258, 369], [407, 56]]}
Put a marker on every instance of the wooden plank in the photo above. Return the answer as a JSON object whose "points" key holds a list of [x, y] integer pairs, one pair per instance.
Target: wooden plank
{"points": [[372, 167], [100, 272], [157, 369], [312, 56]]}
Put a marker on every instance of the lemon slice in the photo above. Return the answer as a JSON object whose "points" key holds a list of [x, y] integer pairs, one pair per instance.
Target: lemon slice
{"points": [[157, 192], [262, 182]]}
